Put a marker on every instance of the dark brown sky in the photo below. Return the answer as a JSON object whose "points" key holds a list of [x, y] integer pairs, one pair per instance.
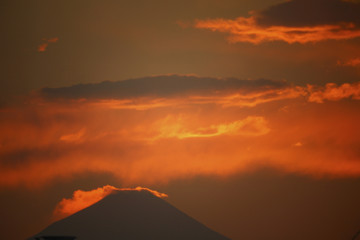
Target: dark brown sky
{"points": [[244, 112]]}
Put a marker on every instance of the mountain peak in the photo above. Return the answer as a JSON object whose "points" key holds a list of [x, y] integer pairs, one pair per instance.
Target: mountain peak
{"points": [[130, 214]]}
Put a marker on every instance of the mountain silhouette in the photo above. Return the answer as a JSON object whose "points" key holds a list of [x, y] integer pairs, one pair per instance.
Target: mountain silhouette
{"points": [[130, 215]]}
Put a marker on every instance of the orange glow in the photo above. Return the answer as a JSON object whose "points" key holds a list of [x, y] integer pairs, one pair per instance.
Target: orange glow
{"points": [[286, 129], [74, 137], [52, 40], [42, 47], [83, 199], [247, 30], [333, 92], [354, 62], [175, 128], [224, 99], [80, 200]]}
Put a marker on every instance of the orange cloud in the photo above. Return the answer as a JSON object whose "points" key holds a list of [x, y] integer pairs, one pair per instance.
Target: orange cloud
{"points": [[80, 200], [186, 135], [332, 92], [248, 30], [52, 40], [42, 47], [221, 98], [175, 128], [74, 137], [354, 62], [83, 199]]}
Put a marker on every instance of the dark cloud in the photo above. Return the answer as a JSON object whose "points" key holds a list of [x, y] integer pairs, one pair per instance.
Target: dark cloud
{"points": [[160, 86], [310, 13]]}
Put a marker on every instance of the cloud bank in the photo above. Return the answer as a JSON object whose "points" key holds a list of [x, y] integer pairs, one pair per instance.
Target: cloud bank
{"points": [[207, 126], [162, 87], [296, 21]]}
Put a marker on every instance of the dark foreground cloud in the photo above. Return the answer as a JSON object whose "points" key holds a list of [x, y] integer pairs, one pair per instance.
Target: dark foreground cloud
{"points": [[166, 90], [300, 13], [296, 21], [161, 86]]}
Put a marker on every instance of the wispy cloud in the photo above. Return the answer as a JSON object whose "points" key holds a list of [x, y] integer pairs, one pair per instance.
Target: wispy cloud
{"points": [[296, 21], [205, 127], [171, 127], [83, 199], [43, 46], [354, 62], [333, 92], [248, 30]]}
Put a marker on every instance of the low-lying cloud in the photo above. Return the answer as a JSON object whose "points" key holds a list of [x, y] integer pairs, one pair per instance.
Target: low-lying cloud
{"points": [[171, 127], [150, 136], [83, 199]]}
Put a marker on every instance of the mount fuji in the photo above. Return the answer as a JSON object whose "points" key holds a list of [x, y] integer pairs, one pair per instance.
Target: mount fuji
{"points": [[129, 215]]}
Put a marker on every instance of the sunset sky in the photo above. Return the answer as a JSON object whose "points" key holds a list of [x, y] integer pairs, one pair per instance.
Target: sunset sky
{"points": [[245, 113]]}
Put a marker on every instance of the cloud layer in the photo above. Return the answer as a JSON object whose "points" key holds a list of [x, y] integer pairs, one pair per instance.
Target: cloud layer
{"points": [[162, 87], [296, 21], [208, 126]]}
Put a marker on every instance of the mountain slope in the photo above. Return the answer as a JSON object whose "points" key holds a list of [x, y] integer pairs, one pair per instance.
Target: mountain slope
{"points": [[131, 215]]}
